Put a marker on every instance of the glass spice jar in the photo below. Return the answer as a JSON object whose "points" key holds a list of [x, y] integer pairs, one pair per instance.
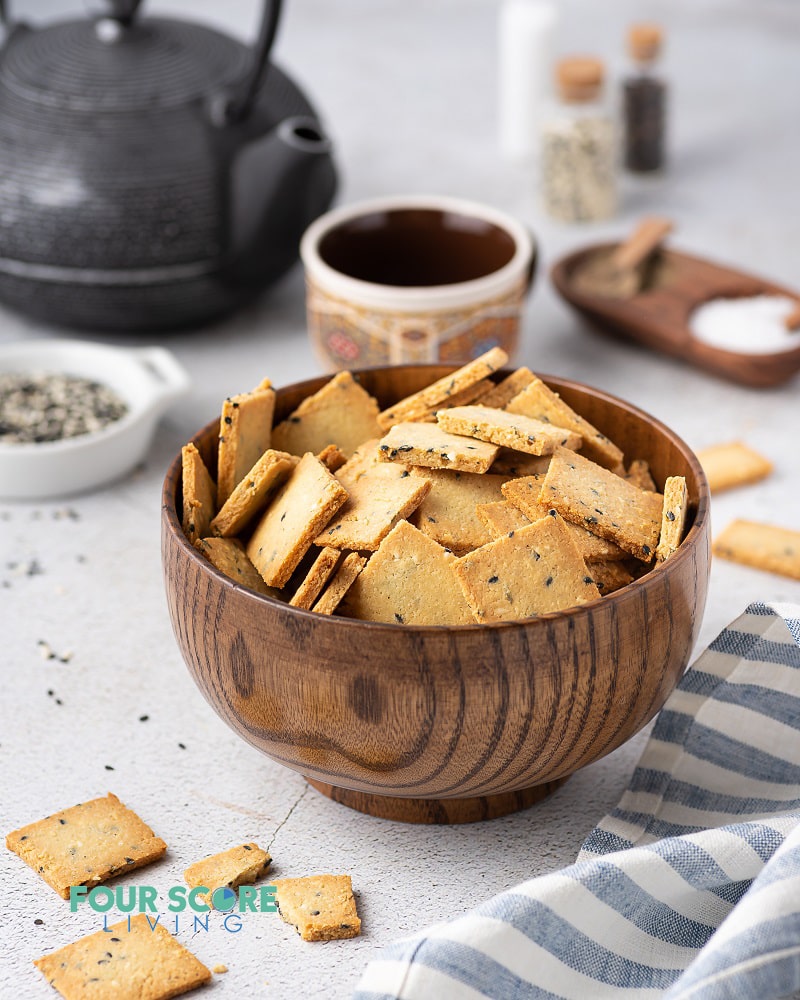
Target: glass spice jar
{"points": [[644, 101], [578, 146]]}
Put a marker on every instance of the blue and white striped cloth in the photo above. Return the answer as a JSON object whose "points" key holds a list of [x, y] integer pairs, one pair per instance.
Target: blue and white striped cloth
{"points": [[688, 890]]}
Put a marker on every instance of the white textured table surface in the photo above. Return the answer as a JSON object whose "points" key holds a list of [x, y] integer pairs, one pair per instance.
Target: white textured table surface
{"points": [[408, 91]]}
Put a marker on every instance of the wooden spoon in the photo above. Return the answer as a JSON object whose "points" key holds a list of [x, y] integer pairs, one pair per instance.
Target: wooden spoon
{"points": [[621, 273]]}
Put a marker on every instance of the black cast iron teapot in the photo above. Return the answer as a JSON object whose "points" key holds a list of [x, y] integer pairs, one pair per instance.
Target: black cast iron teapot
{"points": [[154, 173]]}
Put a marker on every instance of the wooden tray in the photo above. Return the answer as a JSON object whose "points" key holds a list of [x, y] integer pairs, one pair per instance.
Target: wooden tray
{"points": [[658, 317]]}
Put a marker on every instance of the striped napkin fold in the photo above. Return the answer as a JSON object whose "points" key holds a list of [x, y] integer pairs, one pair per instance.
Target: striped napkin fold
{"points": [[688, 890]]}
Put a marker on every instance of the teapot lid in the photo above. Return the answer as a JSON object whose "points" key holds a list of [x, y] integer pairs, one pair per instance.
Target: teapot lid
{"points": [[112, 65]]}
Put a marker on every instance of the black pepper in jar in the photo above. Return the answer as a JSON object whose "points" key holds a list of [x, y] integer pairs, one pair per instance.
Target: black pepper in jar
{"points": [[36, 408], [644, 102]]}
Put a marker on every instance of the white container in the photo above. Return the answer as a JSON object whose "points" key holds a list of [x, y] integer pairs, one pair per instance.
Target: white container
{"points": [[147, 379]]}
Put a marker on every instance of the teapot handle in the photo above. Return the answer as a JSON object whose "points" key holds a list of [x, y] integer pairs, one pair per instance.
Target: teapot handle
{"points": [[234, 105]]}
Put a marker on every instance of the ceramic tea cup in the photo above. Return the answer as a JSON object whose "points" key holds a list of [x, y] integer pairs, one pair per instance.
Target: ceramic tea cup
{"points": [[415, 279]]}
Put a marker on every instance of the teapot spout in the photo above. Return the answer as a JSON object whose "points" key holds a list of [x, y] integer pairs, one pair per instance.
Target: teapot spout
{"points": [[280, 184]]}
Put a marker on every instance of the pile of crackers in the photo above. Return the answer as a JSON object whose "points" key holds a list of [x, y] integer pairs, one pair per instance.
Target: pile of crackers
{"points": [[476, 499]]}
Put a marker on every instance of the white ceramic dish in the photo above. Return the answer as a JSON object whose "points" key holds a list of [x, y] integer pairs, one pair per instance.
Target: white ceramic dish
{"points": [[148, 379]]}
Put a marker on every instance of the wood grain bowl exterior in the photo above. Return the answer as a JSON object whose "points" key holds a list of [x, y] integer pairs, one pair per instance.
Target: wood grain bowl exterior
{"points": [[475, 720]]}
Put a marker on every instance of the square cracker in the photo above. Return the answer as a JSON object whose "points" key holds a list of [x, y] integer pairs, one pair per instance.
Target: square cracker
{"points": [[318, 575], [448, 513], [293, 519], [416, 406], [507, 429], [346, 576], [250, 494], [86, 844], [591, 496], [501, 517], [409, 581], [639, 475], [245, 426], [673, 517], [143, 963], [430, 446], [240, 865], [321, 907], [340, 413], [734, 464], [229, 557], [524, 493], [379, 495], [540, 402], [762, 546], [503, 392], [199, 494], [525, 573]]}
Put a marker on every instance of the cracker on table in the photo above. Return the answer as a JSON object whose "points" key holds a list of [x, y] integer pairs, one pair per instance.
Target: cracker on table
{"points": [[516, 463], [501, 517], [448, 513], [340, 413], [610, 576], [415, 407], [511, 386], [320, 907], [409, 581], [525, 573], [318, 575], [199, 494], [379, 495], [250, 494], [143, 963], [345, 577], [595, 498], [229, 557], [673, 517], [762, 546], [540, 402], [639, 474], [432, 447], [245, 427], [332, 457], [525, 493], [472, 394], [293, 519], [86, 844], [734, 464], [508, 429], [240, 865]]}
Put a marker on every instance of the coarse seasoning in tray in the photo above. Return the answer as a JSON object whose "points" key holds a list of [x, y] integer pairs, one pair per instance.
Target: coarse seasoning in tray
{"points": [[435, 511]]}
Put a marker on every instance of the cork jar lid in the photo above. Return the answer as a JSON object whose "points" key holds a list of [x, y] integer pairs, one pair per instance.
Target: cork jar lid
{"points": [[580, 78], [644, 41]]}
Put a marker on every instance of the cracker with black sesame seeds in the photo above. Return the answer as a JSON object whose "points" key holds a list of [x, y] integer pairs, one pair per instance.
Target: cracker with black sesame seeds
{"points": [[673, 517], [511, 386], [340, 413], [428, 445], [448, 513], [199, 494], [318, 575], [501, 517], [245, 428], [586, 494], [240, 865], [761, 546], [229, 557], [639, 474], [539, 402], [610, 576], [86, 844], [410, 580], [524, 493], [346, 575], [510, 430], [733, 464], [416, 406], [528, 572], [319, 907], [295, 516], [144, 962], [250, 495], [512, 463], [379, 495]]}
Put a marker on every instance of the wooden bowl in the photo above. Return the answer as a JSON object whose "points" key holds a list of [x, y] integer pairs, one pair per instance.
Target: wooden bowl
{"points": [[443, 724]]}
